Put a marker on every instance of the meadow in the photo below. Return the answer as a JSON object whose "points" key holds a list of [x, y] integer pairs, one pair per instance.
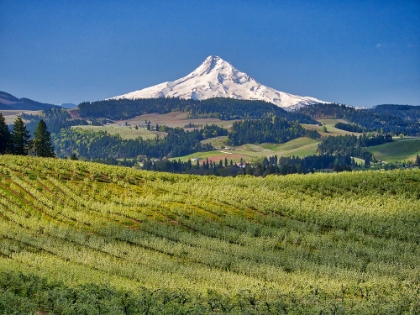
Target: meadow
{"points": [[125, 132], [329, 123], [248, 152], [177, 119], [85, 238], [403, 149]]}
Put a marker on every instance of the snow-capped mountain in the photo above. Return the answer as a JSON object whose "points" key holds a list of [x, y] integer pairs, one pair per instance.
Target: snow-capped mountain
{"points": [[216, 77]]}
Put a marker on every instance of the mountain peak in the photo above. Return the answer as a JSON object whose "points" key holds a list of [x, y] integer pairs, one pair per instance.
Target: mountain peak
{"points": [[216, 77], [213, 58], [213, 63]]}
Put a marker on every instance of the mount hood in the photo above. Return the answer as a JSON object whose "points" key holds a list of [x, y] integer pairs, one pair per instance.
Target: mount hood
{"points": [[216, 77]]}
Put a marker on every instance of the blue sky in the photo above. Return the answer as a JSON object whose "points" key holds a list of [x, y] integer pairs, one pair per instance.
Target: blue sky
{"points": [[360, 53]]}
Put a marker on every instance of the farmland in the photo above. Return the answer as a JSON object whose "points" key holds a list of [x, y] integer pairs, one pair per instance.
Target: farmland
{"points": [[329, 123], [298, 147], [126, 132], [176, 119], [76, 235], [401, 150]]}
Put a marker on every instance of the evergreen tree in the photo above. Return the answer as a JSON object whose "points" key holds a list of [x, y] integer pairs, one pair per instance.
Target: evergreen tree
{"points": [[4, 135], [42, 141], [19, 139]]}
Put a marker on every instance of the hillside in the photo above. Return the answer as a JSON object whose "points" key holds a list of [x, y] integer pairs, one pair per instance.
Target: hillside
{"points": [[400, 150], [221, 108], [80, 237], [10, 102], [393, 119]]}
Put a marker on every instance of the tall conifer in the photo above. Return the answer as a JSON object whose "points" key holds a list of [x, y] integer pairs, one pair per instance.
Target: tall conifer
{"points": [[19, 139], [4, 135], [42, 141]]}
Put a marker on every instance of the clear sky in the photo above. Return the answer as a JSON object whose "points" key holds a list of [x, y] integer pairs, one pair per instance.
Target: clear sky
{"points": [[360, 53]]}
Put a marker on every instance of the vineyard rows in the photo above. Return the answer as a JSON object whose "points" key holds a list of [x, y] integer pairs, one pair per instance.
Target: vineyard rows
{"points": [[345, 242]]}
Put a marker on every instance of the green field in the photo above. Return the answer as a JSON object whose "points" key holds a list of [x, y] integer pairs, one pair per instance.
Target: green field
{"points": [[403, 149], [216, 142], [298, 147], [329, 123], [86, 238], [126, 132], [212, 155], [177, 119]]}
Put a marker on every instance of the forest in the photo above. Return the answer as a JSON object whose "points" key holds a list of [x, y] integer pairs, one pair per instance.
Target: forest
{"points": [[55, 119], [393, 119], [334, 153], [261, 167], [101, 145], [350, 145], [272, 130], [86, 238], [350, 127], [222, 108]]}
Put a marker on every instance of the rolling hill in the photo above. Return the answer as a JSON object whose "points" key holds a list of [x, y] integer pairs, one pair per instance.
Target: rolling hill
{"points": [[80, 237], [10, 102]]}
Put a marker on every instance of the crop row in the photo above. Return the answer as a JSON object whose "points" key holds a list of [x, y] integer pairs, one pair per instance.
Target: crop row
{"points": [[347, 235]]}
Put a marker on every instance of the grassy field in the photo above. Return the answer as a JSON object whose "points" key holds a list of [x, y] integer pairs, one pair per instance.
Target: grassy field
{"points": [[329, 123], [403, 149], [85, 238], [298, 147], [217, 142], [173, 119], [215, 156], [126, 132], [177, 119]]}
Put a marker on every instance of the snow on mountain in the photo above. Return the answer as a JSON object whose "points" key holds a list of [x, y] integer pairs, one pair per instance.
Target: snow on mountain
{"points": [[216, 77]]}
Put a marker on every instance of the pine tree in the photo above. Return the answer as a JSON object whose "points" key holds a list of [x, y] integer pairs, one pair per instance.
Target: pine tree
{"points": [[42, 141], [19, 139], [4, 135]]}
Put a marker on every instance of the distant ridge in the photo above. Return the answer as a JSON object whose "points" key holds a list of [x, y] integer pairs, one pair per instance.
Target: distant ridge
{"points": [[216, 77], [10, 102]]}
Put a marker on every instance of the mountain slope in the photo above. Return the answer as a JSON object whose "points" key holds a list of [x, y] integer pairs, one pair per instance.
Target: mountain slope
{"points": [[10, 102], [216, 77]]}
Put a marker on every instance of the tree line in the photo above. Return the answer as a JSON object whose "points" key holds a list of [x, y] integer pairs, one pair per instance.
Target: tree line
{"points": [[349, 127], [351, 145], [263, 167], [335, 153], [274, 130], [392, 119], [18, 141]]}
